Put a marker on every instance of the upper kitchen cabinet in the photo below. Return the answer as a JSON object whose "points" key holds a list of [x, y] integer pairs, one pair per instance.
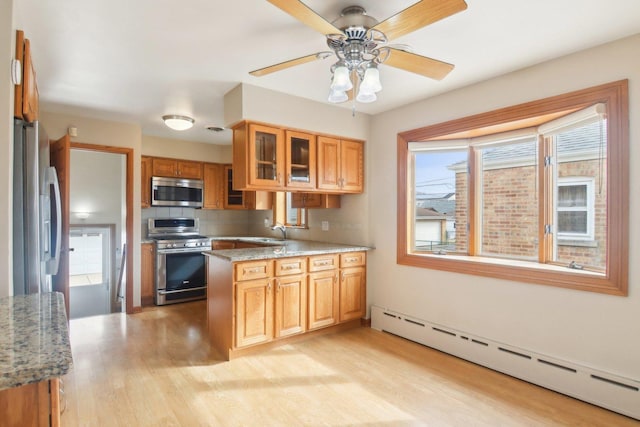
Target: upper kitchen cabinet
{"points": [[258, 157], [271, 158], [300, 166], [173, 168], [26, 102], [238, 199], [146, 166], [340, 165], [213, 186]]}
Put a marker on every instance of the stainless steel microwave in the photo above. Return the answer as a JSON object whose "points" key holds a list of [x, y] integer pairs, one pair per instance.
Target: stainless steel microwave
{"points": [[176, 192]]}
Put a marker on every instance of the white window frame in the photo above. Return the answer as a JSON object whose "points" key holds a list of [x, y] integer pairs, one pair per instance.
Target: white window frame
{"points": [[589, 208]]}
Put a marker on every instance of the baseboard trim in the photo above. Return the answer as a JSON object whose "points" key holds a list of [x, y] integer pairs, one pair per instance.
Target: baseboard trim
{"points": [[600, 388]]}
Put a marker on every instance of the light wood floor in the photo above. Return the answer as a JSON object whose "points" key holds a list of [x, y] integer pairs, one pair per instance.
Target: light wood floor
{"points": [[156, 369]]}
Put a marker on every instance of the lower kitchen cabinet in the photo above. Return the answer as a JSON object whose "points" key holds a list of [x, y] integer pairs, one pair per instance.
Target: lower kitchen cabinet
{"points": [[323, 299], [352, 286], [254, 312], [147, 273], [291, 296], [258, 301], [36, 404]]}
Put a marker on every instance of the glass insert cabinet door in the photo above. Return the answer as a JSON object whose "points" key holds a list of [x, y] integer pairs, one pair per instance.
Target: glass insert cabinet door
{"points": [[267, 155], [300, 160]]}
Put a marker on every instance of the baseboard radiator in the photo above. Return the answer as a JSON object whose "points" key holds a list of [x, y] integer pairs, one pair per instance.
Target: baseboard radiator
{"points": [[600, 388]]}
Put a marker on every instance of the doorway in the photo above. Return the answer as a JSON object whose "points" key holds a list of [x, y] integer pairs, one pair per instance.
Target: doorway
{"points": [[91, 270], [97, 230]]}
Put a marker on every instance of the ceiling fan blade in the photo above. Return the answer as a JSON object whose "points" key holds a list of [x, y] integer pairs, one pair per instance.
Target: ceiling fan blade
{"points": [[422, 65], [302, 13], [419, 15], [291, 63]]}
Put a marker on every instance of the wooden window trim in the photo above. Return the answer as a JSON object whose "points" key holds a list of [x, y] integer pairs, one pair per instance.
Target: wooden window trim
{"points": [[615, 281]]}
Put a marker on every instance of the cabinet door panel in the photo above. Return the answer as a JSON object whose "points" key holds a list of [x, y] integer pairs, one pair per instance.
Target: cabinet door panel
{"points": [[148, 262], [145, 181], [165, 167], [254, 312], [266, 157], [291, 299], [300, 160], [328, 163], [352, 293], [323, 299], [189, 169], [213, 192], [30, 101], [352, 166]]}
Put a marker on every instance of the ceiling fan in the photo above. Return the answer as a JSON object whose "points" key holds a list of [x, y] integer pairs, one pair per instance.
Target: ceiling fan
{"points": [[359, 42]]}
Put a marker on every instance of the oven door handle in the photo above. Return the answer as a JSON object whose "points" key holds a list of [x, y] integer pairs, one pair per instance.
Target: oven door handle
{"points": [[163, 292], [184, 250]]}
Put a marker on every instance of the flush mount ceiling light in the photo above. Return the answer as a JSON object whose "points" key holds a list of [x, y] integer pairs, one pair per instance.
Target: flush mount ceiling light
{"points": [[178, 122], [359, 43]]}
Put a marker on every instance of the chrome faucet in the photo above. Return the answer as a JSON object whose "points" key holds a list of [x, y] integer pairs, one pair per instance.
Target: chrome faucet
{"points": [[282, 228]]}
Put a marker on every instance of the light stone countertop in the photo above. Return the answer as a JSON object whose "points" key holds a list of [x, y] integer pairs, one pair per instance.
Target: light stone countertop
{"points": [[280, 249], [34, 339]]}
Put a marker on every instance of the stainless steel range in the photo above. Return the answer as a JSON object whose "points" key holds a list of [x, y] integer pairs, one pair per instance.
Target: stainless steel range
{"points": [[181, 269]]}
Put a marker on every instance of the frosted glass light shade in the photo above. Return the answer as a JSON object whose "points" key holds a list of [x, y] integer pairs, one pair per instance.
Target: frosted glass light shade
{"points": [[341, 81], [371, 82], [178, 122], [366, 97], [338, 96]]}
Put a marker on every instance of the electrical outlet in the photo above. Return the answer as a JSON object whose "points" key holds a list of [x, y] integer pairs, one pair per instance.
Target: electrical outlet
{"points": [[325, 225], [266, 223]]}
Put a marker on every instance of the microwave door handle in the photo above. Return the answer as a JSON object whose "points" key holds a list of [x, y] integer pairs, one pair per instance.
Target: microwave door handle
{"points": [[52, 179]]}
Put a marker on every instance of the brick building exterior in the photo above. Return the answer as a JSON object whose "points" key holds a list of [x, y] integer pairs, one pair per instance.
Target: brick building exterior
{"points": [[510, 213]]}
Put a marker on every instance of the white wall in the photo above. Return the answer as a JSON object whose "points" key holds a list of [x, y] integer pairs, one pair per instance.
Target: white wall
{"points": [[247, 102], [187, 150], [7, 41], [592, 329]]}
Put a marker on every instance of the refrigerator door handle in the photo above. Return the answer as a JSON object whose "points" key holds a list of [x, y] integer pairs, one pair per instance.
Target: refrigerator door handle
{"points": [[54, 261]]}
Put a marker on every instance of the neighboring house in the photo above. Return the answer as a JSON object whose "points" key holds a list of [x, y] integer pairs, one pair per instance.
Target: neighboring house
{"points": [[435, 222], [580, 198]]}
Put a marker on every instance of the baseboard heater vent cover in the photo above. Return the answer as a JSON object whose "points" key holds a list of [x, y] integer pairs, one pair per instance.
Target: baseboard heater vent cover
{"points": [[600, 388]]}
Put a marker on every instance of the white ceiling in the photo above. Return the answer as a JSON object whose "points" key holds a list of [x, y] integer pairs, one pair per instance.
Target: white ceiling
{"points": [[135, 60]]}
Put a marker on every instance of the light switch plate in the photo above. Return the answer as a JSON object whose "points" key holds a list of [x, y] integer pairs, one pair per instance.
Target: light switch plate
{"points": [[325, 225]]}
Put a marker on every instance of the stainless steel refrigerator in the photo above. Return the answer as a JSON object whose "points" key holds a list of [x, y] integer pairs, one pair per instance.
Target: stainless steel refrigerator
{"points": [[36, 211]]}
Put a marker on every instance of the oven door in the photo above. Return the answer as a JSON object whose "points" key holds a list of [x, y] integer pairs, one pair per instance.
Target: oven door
{"points": [[181, 275]]}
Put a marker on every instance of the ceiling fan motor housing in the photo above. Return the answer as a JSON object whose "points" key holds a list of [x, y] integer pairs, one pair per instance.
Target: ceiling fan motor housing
{"points": [[355, 22]]}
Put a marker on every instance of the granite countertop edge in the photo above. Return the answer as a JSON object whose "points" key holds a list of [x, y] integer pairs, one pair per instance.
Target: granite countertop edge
{"points": [[34, 345], [282, 249]]}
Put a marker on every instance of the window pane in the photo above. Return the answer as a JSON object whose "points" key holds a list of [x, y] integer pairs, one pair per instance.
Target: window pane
{"points": [[510, 200], [581, 214], [440, 212], [85, 260], [572, 222], [570, 196]]}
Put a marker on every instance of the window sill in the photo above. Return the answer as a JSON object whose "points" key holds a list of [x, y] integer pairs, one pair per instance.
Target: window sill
{"points": [[521, 271], [578, 243]]}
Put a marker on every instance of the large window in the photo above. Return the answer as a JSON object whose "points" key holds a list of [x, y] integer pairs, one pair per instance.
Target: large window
{"points": [[524, 193]]}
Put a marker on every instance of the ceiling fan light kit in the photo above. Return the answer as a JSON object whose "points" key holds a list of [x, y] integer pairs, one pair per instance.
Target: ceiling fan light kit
{"points": [[177, 122], [337, 96], [359, 43], [341, 81]]}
